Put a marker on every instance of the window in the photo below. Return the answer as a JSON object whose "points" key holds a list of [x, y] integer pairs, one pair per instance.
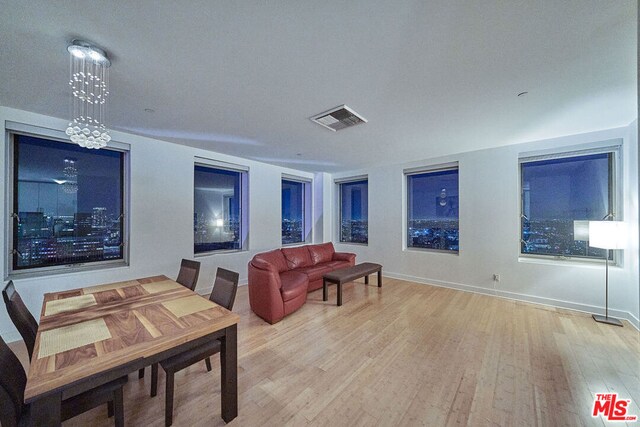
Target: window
{"points": [[68, 204], [432, 210], [354, 211], [555, 192], [296, 211], [218, 219]]}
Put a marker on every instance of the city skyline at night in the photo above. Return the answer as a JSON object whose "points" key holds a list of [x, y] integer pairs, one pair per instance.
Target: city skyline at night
{"points": [[58, 223]]}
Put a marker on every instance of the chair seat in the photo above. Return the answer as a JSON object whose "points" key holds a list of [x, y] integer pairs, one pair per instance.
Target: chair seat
{"points": [[189, 357], [90, 399]]}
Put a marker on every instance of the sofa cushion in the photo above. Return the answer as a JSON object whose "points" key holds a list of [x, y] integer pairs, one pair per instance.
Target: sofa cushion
{"points": [[293, 284], [334, 265], [321, 253], [315, 272], [274, 258], [297, 257]]}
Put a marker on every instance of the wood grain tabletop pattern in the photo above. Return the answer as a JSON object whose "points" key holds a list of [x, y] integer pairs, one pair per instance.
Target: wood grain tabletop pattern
{"points": [[139, 324]]}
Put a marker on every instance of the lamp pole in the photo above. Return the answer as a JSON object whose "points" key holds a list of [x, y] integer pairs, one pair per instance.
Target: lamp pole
{"points": [[606, 319], [607, 235], [606, 284]]}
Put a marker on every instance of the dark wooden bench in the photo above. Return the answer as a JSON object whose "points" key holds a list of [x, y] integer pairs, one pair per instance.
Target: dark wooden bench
{"points": [[349, 274]]}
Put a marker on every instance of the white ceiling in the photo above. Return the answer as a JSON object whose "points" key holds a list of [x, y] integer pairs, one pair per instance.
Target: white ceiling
{"points": [[243, 77]]}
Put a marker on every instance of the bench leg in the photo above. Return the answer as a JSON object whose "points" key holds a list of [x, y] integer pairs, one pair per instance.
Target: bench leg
{"points": [[380, 278], [324, 290], [366, 279], [339, 294]]}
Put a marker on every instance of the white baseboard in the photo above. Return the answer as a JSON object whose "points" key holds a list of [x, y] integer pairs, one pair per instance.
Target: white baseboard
{"points": [[585, 308]]}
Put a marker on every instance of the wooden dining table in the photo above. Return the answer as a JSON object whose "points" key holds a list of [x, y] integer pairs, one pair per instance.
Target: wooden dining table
{"points": [[90, 336]]}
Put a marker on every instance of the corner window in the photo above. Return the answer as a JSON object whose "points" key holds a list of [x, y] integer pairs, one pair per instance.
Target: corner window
{"points": [[218, 214], [67, 204], [432, 209], [296, 211], [354, 211], [558, 194]]}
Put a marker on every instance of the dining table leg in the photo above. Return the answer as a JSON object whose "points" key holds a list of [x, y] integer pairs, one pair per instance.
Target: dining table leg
{"points": [[229, 373], [45, 411]]}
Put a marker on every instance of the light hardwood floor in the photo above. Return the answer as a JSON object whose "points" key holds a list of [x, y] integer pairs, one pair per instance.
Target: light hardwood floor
{"points": [[407, 354]]}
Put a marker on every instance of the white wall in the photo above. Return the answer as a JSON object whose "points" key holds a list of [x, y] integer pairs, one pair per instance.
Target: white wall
{"points": [[489, 232], [161, 216]]}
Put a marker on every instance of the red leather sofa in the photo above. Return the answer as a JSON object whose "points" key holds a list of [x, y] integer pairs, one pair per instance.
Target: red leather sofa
{"points": [[280, 279]]}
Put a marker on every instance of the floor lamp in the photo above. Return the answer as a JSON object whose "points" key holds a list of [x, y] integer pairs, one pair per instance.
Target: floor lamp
{"points": [[607, 235]]}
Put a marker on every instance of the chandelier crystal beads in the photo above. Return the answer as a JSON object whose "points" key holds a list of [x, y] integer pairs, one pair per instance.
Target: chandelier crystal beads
{"points": [[89, 81], [70, 172]]}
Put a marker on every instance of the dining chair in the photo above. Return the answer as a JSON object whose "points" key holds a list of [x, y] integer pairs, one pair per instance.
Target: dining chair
{"points": [[21, 317], [13, 380], [224, 292], [187, 277], [188, 274]]}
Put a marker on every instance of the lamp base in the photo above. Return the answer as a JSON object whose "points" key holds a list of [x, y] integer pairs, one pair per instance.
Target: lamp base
{"points": [[607, 320]]}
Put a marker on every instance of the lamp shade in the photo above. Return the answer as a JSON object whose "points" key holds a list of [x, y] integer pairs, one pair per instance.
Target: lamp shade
{"points": [[580, 230], [607, 234]]}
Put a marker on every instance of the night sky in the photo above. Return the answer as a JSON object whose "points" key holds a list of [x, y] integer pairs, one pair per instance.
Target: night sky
{"points": [[355, 200], [211, 187], [572, 189], [99, 177], [424, 193], [292, 200]]}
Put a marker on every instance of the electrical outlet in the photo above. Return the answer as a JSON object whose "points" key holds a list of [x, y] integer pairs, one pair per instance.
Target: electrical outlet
{"points": [[496, 277]]}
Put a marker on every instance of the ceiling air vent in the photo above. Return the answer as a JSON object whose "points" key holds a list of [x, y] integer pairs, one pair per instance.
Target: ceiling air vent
{"points": [[339, 118]]}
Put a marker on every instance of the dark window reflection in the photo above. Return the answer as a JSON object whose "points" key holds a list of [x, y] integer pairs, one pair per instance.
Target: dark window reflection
{"points": [[354, 212], [433, 210], [69, 201], [292, 212], [216, 217], [557, 192]]}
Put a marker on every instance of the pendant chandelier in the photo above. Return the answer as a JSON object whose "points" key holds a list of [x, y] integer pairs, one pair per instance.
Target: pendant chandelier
{"points": [[89, 81]]}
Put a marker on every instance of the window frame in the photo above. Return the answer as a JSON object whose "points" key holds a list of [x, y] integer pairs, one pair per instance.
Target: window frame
{"points": [[612, 147], [419, 171], [13, 129], [307, 208], [338, 183], [243, 203]]}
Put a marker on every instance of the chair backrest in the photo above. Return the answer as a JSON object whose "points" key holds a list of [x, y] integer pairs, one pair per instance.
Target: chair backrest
{"points": [[189, 272], [13, 380], [225, 288], [20, 316]]}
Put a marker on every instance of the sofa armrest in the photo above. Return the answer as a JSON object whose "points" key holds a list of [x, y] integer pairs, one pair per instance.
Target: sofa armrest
{"points": [[263, 265], [265, 298], [345, 256]]}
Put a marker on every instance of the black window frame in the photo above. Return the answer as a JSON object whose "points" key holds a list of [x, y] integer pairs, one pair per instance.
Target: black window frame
{"points": [[614, 199], [242, 197], [348, 181], [307, 213], [15, 271], [436, 169]]}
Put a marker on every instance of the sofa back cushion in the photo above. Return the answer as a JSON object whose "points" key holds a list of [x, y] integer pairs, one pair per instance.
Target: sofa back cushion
{"points": [[297, 257], [321, 253], [274, 258]]}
